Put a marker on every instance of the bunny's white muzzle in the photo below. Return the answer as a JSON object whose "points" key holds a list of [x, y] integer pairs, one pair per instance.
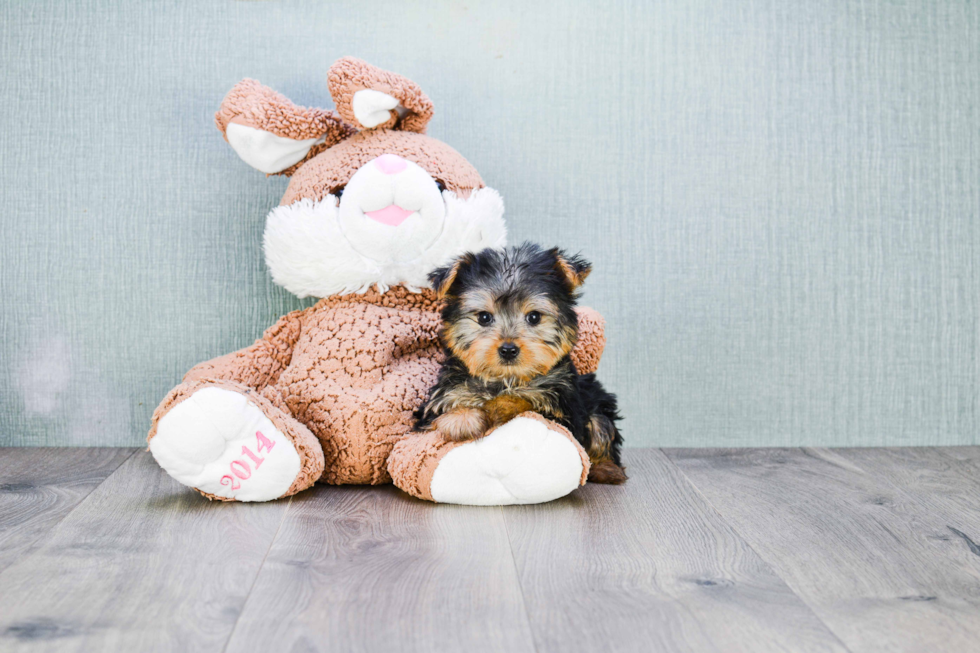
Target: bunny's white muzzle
{"points": [[392, 226]]}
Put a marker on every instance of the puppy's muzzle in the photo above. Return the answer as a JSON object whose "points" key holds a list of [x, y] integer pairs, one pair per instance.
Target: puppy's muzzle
{"points": [[508, 352]]}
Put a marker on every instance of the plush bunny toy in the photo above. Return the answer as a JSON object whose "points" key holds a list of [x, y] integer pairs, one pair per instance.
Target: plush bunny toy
{"points": [[327, 393]]}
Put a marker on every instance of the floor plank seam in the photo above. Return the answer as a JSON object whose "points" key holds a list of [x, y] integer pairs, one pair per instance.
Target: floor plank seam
{"points": [[763, 558], [255, 580], [517, 576], [65, 516]]}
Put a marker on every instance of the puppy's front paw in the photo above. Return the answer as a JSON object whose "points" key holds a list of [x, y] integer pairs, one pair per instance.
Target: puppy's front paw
{"points": [[462, 424]]}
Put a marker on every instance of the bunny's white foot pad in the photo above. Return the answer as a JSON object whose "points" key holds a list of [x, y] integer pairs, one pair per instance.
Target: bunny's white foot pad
{"points": [[527, 460], [222, 444]]}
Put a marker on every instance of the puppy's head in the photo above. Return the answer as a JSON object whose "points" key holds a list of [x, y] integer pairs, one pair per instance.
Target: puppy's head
{"points": [[510, 315]]}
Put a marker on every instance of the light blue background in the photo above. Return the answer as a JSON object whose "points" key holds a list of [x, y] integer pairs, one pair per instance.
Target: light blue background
{"points": [[781, 199]]}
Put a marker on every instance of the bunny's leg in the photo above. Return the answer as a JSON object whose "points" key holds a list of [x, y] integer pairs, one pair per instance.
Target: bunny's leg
{"points": [[527, 460], [225, 432], [229, 442]]}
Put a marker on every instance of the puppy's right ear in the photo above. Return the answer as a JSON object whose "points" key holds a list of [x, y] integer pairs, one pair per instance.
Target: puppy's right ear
{"points": [[572, 268], [272, 134], [442, 279]]}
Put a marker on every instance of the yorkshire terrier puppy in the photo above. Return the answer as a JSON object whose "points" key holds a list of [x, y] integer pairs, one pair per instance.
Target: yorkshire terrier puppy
{"points": [[509, 325]]}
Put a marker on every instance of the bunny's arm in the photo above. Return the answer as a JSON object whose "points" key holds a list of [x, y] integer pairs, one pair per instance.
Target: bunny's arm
{"points": [[591, 340]]}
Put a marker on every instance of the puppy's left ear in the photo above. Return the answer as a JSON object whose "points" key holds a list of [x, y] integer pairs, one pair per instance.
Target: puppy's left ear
{"points": [[572, 268], [442, 279]]}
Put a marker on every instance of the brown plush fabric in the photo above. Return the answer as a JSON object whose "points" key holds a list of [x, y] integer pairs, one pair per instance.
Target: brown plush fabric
{"points": [[362, 365], [334, 167], [414, 459], [251, 104], [309, 449], [591, 340], [351, 369], [349, 75]]}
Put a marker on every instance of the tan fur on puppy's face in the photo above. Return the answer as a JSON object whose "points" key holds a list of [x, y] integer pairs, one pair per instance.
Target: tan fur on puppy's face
{"points": [[541, 345]]}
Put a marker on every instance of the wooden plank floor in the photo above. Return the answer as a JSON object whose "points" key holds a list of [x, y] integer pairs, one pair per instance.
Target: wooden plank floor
{"points": [[703, 550]]}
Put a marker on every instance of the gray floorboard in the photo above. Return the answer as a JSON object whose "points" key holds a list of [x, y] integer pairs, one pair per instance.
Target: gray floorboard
{"points": [[371, 569], [38, 487], [143, 564], [948, 487], [875, 562], [702, 550], [967, 459], [649, 566]]}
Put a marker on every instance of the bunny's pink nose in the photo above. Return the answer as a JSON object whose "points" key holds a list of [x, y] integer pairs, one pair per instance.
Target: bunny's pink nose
{"points": [[390, 164]]}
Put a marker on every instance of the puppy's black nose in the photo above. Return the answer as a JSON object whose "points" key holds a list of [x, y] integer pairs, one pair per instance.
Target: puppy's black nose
{"points": [[508, 351]]}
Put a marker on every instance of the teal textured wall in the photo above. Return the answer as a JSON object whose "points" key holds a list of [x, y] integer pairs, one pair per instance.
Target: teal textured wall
{"points": [[782, 200]]}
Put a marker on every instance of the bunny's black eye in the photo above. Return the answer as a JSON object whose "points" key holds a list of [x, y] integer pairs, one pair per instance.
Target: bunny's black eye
{"points": [[338, 192], [533, 318], [484, 318], [441, 186]]}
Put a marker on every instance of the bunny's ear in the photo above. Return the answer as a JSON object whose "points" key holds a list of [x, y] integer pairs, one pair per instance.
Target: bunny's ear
{"points": [[272, 134], [371, 98]]}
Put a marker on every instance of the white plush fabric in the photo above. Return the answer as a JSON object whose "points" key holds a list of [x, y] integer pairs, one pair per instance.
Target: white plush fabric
{"points": [[265, 151], [521, 462], [371, 107], [201, 440], [412, 189], [317, 249]]}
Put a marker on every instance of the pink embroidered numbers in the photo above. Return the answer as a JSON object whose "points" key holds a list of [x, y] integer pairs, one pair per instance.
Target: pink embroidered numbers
{"points": [[240, 468], [242, 471], [255, 459]]}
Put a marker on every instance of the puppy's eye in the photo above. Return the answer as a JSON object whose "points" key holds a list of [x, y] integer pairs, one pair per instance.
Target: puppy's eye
{"points": [[484, 318], [338, 192], [533, 318], [441, 186]]}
